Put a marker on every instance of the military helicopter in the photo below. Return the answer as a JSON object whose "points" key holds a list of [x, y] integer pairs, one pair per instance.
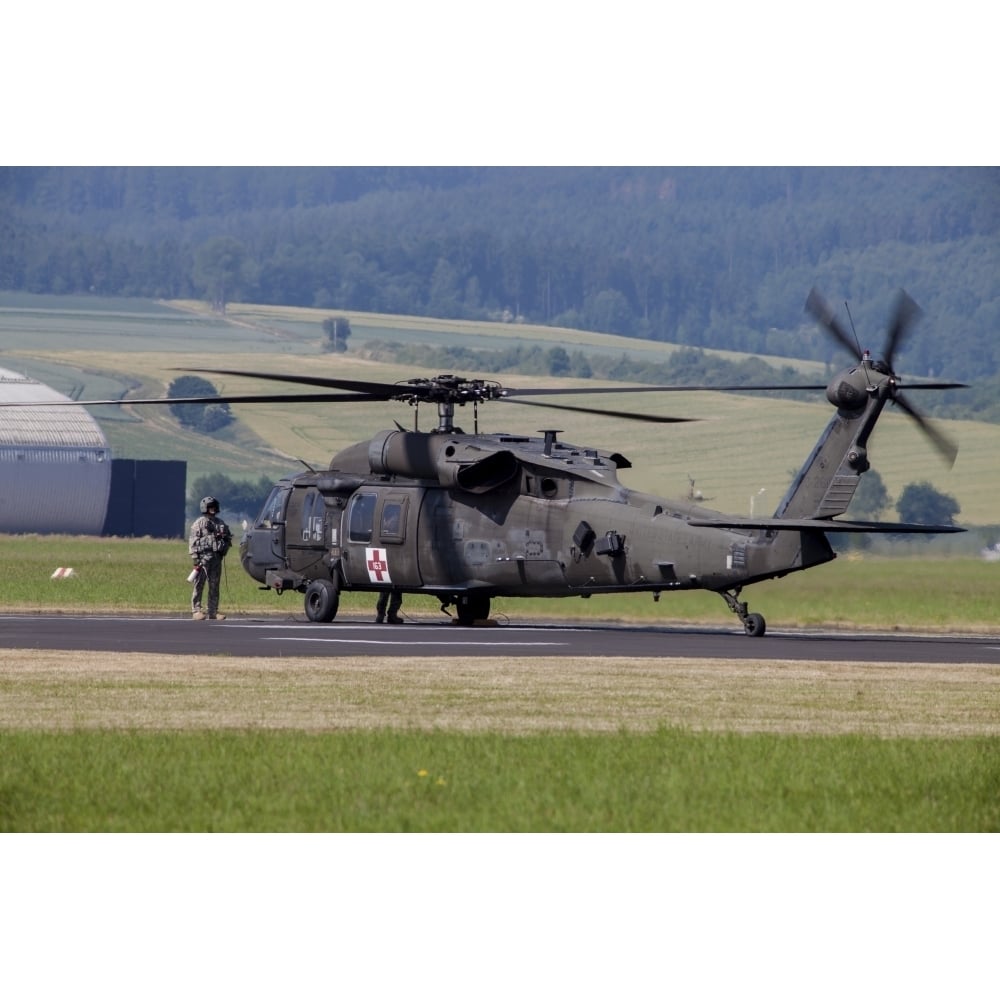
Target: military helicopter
{"points": [[471, 517]]}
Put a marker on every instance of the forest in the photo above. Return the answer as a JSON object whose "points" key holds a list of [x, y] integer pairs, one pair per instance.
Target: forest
{"points": [[703, 257]]}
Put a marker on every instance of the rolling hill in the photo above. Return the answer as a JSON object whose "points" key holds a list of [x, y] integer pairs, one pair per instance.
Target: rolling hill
{"points": [[741, 451]]}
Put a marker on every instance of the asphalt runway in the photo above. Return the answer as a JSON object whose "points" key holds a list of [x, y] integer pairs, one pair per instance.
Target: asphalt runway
{"points": [[246, 637]]}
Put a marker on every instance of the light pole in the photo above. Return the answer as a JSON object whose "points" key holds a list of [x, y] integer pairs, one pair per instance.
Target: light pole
{"points": [[754, 497]]}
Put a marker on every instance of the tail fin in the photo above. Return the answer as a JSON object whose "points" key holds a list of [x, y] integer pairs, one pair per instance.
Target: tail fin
{"points": [[825, 485]]}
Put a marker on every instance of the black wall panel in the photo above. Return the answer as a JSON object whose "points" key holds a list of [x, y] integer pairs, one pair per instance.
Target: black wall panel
{"points": [[147, 498]]}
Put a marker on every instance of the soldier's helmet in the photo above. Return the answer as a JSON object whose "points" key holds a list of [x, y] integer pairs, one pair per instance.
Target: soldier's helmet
{"points": [[208, 503]]}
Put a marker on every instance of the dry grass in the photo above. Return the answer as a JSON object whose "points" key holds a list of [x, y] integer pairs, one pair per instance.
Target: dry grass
{"points": [[67, 690]]}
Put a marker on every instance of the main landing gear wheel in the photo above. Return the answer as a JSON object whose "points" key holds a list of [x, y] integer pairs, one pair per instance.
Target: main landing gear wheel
{"points": [[471, 608], [322, 601], [753, 624]]}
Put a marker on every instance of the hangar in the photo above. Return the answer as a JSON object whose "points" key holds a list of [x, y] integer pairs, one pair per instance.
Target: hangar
{"points": [[55, 463]]}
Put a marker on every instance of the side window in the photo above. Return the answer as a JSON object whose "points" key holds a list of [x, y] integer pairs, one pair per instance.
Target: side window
{"points": [[273, 511], [312, 517], [362, 517], [393, 520]]}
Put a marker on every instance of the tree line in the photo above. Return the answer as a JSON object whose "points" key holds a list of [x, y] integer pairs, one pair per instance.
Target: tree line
{"points": [[716, 258]]}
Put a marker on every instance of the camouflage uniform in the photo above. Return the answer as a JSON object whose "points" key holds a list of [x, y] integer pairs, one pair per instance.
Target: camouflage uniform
{"points": [[208, 543]]}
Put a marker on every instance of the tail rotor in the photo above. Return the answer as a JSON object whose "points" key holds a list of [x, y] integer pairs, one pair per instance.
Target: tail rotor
{"points": [[904, 316]]}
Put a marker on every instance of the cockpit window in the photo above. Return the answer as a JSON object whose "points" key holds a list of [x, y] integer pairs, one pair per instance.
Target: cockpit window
{"points": [[273, 511]]}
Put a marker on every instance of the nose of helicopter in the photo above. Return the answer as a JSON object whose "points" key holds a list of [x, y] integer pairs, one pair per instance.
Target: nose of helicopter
{"points": [[246, 557]]}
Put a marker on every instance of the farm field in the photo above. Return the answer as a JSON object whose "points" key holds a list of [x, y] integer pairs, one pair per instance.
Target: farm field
{"points": [[739, 447]]}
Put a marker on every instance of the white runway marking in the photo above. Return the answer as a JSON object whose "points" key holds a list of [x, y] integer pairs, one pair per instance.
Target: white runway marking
{"points": [[396, 629], [401, 642]]}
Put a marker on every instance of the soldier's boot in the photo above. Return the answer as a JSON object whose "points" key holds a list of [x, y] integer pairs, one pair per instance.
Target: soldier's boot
{"points": [[217, 618], [199, 616]]}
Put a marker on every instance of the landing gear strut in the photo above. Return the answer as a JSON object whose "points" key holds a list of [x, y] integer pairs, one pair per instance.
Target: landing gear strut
{"points": [[754, 624]]}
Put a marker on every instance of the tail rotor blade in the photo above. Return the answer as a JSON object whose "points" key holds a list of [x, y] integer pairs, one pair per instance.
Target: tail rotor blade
{"points": [[906, 313], [823, 314], [944, 445]]}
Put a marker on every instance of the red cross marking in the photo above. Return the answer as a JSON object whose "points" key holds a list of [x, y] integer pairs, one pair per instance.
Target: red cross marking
{"points": [[378, 566]]}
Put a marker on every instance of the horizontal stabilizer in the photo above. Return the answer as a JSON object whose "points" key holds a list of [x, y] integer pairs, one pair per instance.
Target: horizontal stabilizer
{"points": [[822, 524]]}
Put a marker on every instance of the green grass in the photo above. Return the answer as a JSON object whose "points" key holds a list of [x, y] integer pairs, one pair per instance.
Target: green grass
{"points": [[669, 781], [911, 594]]}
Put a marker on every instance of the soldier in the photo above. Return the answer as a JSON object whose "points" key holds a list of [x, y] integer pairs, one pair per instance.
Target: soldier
{"points": [[208, 543], [395, 600]]}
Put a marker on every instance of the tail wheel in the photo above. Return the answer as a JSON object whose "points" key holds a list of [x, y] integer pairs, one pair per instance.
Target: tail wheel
{"points": [[322, 601], [755, 624]]}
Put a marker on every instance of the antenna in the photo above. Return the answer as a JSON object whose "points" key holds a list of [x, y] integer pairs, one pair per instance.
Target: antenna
{"points": [[863, 355], [855, 332]]}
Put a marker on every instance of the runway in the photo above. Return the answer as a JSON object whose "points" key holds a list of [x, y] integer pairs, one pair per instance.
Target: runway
{"points": [[248, 637]]}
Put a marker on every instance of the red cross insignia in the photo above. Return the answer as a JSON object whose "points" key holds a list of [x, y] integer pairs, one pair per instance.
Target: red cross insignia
{"points": [[378, 565]]}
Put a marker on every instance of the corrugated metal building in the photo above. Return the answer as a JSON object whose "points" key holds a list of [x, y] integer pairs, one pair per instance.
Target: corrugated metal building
{"points": [[55, 463]]}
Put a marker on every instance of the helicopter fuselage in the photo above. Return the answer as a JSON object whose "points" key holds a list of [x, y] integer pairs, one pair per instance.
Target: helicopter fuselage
{"points": [[528, 517]]}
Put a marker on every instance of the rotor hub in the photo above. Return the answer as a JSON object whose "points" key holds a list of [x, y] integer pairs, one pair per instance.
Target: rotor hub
{"points": [[851, 389], [451, 389], [447, 392]]}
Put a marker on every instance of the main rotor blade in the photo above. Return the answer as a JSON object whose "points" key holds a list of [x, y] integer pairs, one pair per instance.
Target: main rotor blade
{"points": [[322, 397], [374, 390], [284, 397], [936, 385], [906, 313], [387, 390], [601, 390], [822, 312], [646, 417], [945, 446]]}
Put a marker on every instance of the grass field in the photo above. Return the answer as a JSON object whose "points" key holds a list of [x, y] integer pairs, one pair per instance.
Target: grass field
{"points": [[957, 594], [99, 742], [666, 781]]}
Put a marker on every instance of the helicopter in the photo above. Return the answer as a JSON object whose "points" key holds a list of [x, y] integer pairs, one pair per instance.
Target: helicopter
{"points": [[472, 517]]}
